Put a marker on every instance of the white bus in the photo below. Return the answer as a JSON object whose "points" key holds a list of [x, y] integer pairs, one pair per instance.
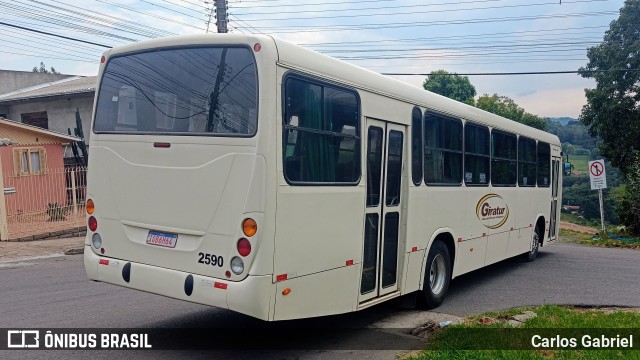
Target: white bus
{"points": [[247, 173]]}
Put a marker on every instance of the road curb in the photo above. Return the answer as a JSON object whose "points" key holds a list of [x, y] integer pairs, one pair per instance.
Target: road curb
{"points": [[74, 251]]}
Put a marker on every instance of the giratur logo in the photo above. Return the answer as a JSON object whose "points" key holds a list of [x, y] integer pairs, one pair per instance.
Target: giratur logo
{"points": [[492, 210]]}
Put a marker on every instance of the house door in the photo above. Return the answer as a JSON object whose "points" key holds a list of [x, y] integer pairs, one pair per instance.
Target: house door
{"points": [[384, 178]]}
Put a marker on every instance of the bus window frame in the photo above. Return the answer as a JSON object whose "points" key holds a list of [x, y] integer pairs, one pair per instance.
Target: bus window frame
{"points": [[178, 47], [419, 152], [491, 149], [535, 162], [461, 152], [464, 152], [320, 82]]}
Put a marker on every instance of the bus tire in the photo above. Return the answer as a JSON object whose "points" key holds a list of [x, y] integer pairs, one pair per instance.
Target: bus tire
{"points": [[437, 275], [534, 245]]}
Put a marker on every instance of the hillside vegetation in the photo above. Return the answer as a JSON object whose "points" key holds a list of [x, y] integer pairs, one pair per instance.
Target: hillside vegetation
{"points": [[580, 148]]}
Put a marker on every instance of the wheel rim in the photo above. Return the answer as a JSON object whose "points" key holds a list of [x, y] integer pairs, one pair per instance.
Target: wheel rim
{"points": [[437, 274], [535, 242]]}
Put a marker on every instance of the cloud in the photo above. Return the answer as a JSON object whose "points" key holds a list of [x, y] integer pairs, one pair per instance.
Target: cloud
{"points": [[554, 102]]}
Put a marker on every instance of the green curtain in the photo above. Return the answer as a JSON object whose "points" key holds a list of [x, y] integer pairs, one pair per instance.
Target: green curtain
{"points": [[320, 151]]}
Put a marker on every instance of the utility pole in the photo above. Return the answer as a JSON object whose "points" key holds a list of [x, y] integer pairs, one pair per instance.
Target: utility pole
{"points": [[220, 9], [221, 14]]}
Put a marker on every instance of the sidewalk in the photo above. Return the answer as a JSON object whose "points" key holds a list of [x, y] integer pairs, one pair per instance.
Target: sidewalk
{"points": [[12, 251]]}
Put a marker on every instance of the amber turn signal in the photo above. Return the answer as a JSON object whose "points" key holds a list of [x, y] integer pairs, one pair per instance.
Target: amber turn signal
{"points": [[90, 207], [249, 227], [286, 291]]}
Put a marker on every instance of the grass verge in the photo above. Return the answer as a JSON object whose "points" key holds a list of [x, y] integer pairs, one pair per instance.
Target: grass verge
{"points": [[586, 239], [563, 321]]}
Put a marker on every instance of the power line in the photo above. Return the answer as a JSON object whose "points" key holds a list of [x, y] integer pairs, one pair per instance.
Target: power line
{"points": [[471, 36], [371, 26], [17, 33], [353, 9], [172, 10], [182, 6], [51, 34], [511, 73], [481, 47], [150, 15], [249, 25], [46, 56], [416, 12], [38, 15], [312, 4], [31, 46], [120, 25]]}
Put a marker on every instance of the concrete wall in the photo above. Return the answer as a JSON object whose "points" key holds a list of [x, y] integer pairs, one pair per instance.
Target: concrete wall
{"points": [[61, 113], [14, 80]]}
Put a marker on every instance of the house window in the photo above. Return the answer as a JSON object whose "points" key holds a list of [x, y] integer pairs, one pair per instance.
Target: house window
{"points": [[29, 161], [38, 119]]}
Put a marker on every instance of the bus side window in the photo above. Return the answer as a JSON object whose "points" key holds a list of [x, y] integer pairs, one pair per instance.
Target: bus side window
{"points": [[526, 161], [442, 150], [476, 154], [504, 159], [321, 133], [544, 164]]}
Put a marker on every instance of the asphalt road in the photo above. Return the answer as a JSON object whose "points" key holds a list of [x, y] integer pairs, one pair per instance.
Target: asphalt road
{"points": [[54, 293]]}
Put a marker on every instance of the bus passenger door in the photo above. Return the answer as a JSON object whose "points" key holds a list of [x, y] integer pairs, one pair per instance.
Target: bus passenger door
{"points": [[555, 178], [384, 177]]}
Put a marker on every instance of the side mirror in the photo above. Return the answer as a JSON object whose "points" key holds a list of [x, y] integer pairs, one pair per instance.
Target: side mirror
{"points": [[566, 169]]}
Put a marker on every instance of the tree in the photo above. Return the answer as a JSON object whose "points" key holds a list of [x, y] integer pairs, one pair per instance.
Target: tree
{"points": [[43, 69], [629, 198], [453, 86], [506, 107], [612, 112]]}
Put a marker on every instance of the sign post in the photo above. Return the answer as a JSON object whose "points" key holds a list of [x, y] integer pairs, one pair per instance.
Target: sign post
{"points": [[598, 181]]}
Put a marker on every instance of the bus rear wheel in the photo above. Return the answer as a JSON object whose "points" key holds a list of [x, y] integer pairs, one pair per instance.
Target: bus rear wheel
{"points": [[534, 246], [437, 275]]}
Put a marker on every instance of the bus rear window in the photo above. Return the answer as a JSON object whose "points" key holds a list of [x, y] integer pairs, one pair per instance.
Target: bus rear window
{"points": [[184, 91]]}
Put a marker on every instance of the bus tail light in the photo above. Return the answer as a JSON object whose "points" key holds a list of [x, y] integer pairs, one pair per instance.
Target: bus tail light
{"points": [[244, 247], [93, 223], [96, 240], [237, 265], [249, 227], [90, 207]]}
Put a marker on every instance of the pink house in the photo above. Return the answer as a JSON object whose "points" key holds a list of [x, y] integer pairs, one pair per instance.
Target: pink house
{"points": [[32, 167]]}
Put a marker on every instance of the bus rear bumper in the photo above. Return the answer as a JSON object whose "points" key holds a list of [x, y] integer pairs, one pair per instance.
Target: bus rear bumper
{"points": [[252, 296]]}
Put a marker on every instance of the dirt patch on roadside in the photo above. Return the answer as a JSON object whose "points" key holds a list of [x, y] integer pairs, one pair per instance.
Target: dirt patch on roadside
{"points": [[578, 228]]}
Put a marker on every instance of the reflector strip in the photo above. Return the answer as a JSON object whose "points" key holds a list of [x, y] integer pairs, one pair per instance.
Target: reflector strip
{"points": [[103, 262], [530, 225], [414, 249], [164, 145], [459, 239], [219, 285], [484, 234], [281, 277], [511, 229], [349, 262]]}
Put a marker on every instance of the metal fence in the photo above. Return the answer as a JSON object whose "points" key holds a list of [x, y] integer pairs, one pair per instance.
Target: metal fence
{"points": [[45, 205]]}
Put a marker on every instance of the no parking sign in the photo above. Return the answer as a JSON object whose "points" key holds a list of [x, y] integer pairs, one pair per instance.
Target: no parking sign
{"points": [[597, 175]]}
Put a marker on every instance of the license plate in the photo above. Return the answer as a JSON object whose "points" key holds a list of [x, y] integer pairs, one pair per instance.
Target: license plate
{"points": [[162, 239]]}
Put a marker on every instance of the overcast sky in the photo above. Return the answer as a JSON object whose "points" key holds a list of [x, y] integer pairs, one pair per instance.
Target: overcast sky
{"points": [[387, 36]]}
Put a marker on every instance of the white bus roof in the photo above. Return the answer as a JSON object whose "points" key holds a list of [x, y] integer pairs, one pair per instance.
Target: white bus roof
{"points": [[314, 63]]}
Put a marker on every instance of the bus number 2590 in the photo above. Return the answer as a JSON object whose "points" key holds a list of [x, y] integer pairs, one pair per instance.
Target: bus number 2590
{"points": [[210, 259]]}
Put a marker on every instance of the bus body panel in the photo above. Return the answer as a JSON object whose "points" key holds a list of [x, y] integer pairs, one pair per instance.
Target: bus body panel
{"points": [[251, 296], [324, 293]]}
